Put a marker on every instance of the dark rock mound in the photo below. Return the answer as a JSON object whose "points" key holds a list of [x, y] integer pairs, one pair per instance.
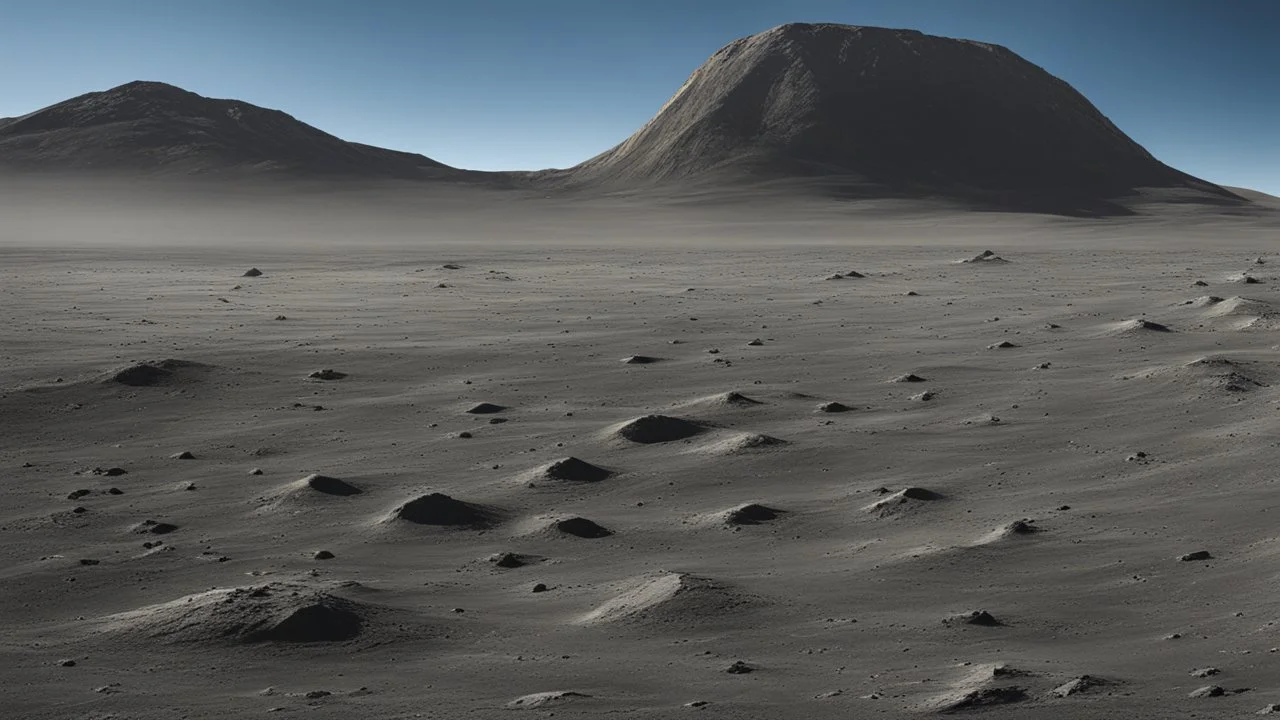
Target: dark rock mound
{"points": [[1002, 345], [640, 360], [986, 697], [909, 378], [834, 407], [325, 620], [581, 527], [981, 618], [509, 560], [272, 613], [1019, 527], [572, 469], [184, 455], [327, 374], [651, 429], [751, 514], [1075, 686], [147, 374], [986, 256], [330, 485], [153, 527], [440, 509], [485, 408], [252, 272], [1197, 555]]}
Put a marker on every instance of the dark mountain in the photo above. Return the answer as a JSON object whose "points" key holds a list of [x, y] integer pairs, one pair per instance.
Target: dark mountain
{"points": [[875, 112], [154, 127]]}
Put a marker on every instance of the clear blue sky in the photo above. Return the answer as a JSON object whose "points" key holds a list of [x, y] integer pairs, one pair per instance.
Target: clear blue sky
{"points": [[525, 84]]}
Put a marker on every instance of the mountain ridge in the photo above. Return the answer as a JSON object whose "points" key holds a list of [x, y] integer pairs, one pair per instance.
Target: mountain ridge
{"points": [[807, 108]]}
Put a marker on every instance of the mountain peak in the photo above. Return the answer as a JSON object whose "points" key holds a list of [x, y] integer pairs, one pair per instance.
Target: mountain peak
{"points": [[888, 111], [148, 126]]}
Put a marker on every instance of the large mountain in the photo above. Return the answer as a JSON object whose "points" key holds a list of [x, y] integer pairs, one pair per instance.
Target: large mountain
{"points": [[874, 111], [153, 127]]}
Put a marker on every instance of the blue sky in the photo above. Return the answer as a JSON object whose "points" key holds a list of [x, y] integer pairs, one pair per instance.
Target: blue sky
{"points": [[525, 84]]}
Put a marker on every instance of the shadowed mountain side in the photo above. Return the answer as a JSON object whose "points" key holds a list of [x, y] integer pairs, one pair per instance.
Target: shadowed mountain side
{"points": [[871, 112], [152, 127]]}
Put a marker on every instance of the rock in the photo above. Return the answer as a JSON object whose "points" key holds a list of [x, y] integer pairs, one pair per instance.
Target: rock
{"points": [[739, 668], [975, 617], [184, 455], [252, 272], [1197, 555], [1207, 691], [1205, 672], [833, 407], [540, 588], [323, 555], [485, 408], [77, 494], [327, 374], [67, 663]]}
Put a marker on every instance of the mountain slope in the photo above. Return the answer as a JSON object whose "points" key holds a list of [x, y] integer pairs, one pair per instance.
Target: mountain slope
{"points": [[888, 110], [154, 127]]}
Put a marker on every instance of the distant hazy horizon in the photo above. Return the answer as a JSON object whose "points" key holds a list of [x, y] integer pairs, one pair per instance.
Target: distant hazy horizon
{"points": [[506, 85]]}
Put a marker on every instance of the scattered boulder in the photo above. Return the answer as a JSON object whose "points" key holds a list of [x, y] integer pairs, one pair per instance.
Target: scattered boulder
{"points": [[184, 455], [252, 272], [1197, 555], [909, 378], [1205, 672], [739, 668], [323, 555], [1002, 345], [640, 360]]}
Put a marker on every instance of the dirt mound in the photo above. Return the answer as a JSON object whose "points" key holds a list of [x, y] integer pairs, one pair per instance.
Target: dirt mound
{"points": [[679, 599], [270, 613], [1138, 325], [485, 408], [252, 272], [721, 401], [745, 442], [327, 485], [553, 698], [580, 527], [440, 509], [749, 514], [570, 469], [894, 503], [159, 372], [834, 407], [651, 429], [986, 256]]}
